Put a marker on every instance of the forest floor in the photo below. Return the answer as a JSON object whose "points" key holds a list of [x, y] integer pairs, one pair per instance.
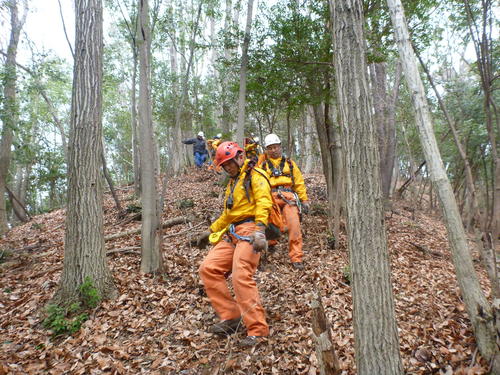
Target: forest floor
{"points": [[157, 325]]}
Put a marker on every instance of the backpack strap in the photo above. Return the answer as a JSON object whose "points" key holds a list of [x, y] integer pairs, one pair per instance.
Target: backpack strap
{"points": [[247, 182], [290, 165]]}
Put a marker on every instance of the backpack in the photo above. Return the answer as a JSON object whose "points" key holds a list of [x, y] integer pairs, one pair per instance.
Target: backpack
{"points": [[275, 225]]}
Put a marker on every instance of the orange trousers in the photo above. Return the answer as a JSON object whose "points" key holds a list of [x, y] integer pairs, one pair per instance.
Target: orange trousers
{"points": [[236, 256], [291, 220]]}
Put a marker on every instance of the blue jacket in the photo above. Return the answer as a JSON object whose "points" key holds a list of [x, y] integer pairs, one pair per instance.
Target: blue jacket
{"points": [[199, 145]]}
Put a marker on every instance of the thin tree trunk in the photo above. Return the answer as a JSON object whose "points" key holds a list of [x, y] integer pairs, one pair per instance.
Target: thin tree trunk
{"points": [[478, 308], [10, 113], [18, 207], [483, 46], [226, 113], [135, 128], [240, 127], [151, 256], [17, 197], [84, 252], [373, 316], [469, 179], [177, 146], [109, 180]]}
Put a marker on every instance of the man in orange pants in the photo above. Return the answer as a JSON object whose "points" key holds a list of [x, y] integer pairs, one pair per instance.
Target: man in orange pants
{"points": [[289, 190], [247, 205]]}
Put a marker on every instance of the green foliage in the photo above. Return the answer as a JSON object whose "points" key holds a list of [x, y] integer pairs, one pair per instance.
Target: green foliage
{"points": [[59, 323], [331, 240], [66, 320], [185, 203], [133, 208], [346, 272], [4, 255], [89, 293]]}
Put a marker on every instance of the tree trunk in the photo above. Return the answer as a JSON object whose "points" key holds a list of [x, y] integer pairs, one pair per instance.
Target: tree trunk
{"points": [[18, 207], [226, 113], [240, 127], [325, 352], [135, 130], [109, 180], [478, 308], [178, 161], [18, 195], [84, 252], [483, 46], [10, 113], [384, 117], [151, 257], [309, 143], [373, 316]]}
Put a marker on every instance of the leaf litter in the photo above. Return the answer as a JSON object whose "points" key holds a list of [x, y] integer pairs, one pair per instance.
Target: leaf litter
{"points": [[158, 324]]}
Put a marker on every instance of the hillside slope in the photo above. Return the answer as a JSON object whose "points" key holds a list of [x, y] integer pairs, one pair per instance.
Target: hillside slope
{"points": [[157, 324]]}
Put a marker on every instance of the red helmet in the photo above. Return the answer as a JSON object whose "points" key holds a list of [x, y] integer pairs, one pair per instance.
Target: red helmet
{"points": [[226, 151]]}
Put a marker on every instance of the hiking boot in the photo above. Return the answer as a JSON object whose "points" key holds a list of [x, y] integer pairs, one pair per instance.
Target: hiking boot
{"points": [[226, 327], [249, 341], [298, 265]]}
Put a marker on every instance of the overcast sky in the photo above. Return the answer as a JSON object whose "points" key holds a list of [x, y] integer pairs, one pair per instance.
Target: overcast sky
{"points": [[44, 28]]}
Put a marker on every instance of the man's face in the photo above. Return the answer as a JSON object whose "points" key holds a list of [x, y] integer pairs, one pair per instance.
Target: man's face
{"points": [[273, 151], [232, 167]]}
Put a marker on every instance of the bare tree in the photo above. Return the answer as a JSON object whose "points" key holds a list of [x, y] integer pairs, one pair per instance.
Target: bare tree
{"points": [[84, 252], [151, 259], [375, 330], [9, 115], [176, 160], [240, 128], [480, 311]]}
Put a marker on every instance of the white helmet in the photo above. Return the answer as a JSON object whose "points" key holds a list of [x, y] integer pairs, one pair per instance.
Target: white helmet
{"points": [[201, 134], [271, 139], [218, 136]]}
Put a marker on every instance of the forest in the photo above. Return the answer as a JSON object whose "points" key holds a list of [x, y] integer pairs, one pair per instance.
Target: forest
{"points": [[389, 110]]}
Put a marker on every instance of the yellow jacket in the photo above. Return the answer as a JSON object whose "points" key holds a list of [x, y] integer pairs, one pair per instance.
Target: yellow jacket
{"points": [[259, 205], [214, 143], [285, 179]]}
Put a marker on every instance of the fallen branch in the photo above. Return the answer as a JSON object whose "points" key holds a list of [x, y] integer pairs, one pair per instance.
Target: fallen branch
{"points": [[184, 231], [136, 216], [166, 224], [125, 250], [426, 250]]}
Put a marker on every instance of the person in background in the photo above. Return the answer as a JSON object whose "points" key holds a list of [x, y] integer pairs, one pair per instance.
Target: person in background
{"points": [[252, 148], [199, 149], [289, 191]]}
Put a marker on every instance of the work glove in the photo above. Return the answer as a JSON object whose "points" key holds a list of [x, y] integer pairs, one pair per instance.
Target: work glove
{"points": [[306, 207], [259, 241], [202, 240]]}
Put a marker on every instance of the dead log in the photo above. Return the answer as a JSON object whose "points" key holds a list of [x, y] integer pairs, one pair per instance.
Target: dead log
{"points": [[166, 224], [325, 353], [425, 250], [125, 250]]}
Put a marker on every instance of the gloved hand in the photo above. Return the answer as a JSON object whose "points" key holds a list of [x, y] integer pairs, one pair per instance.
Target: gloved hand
{"points": [[306, 206], [202, 240], [259, 241]]}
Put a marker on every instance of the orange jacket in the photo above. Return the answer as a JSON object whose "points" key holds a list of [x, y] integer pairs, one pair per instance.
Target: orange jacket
{"points": [[285, 179], [259, 205]]}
